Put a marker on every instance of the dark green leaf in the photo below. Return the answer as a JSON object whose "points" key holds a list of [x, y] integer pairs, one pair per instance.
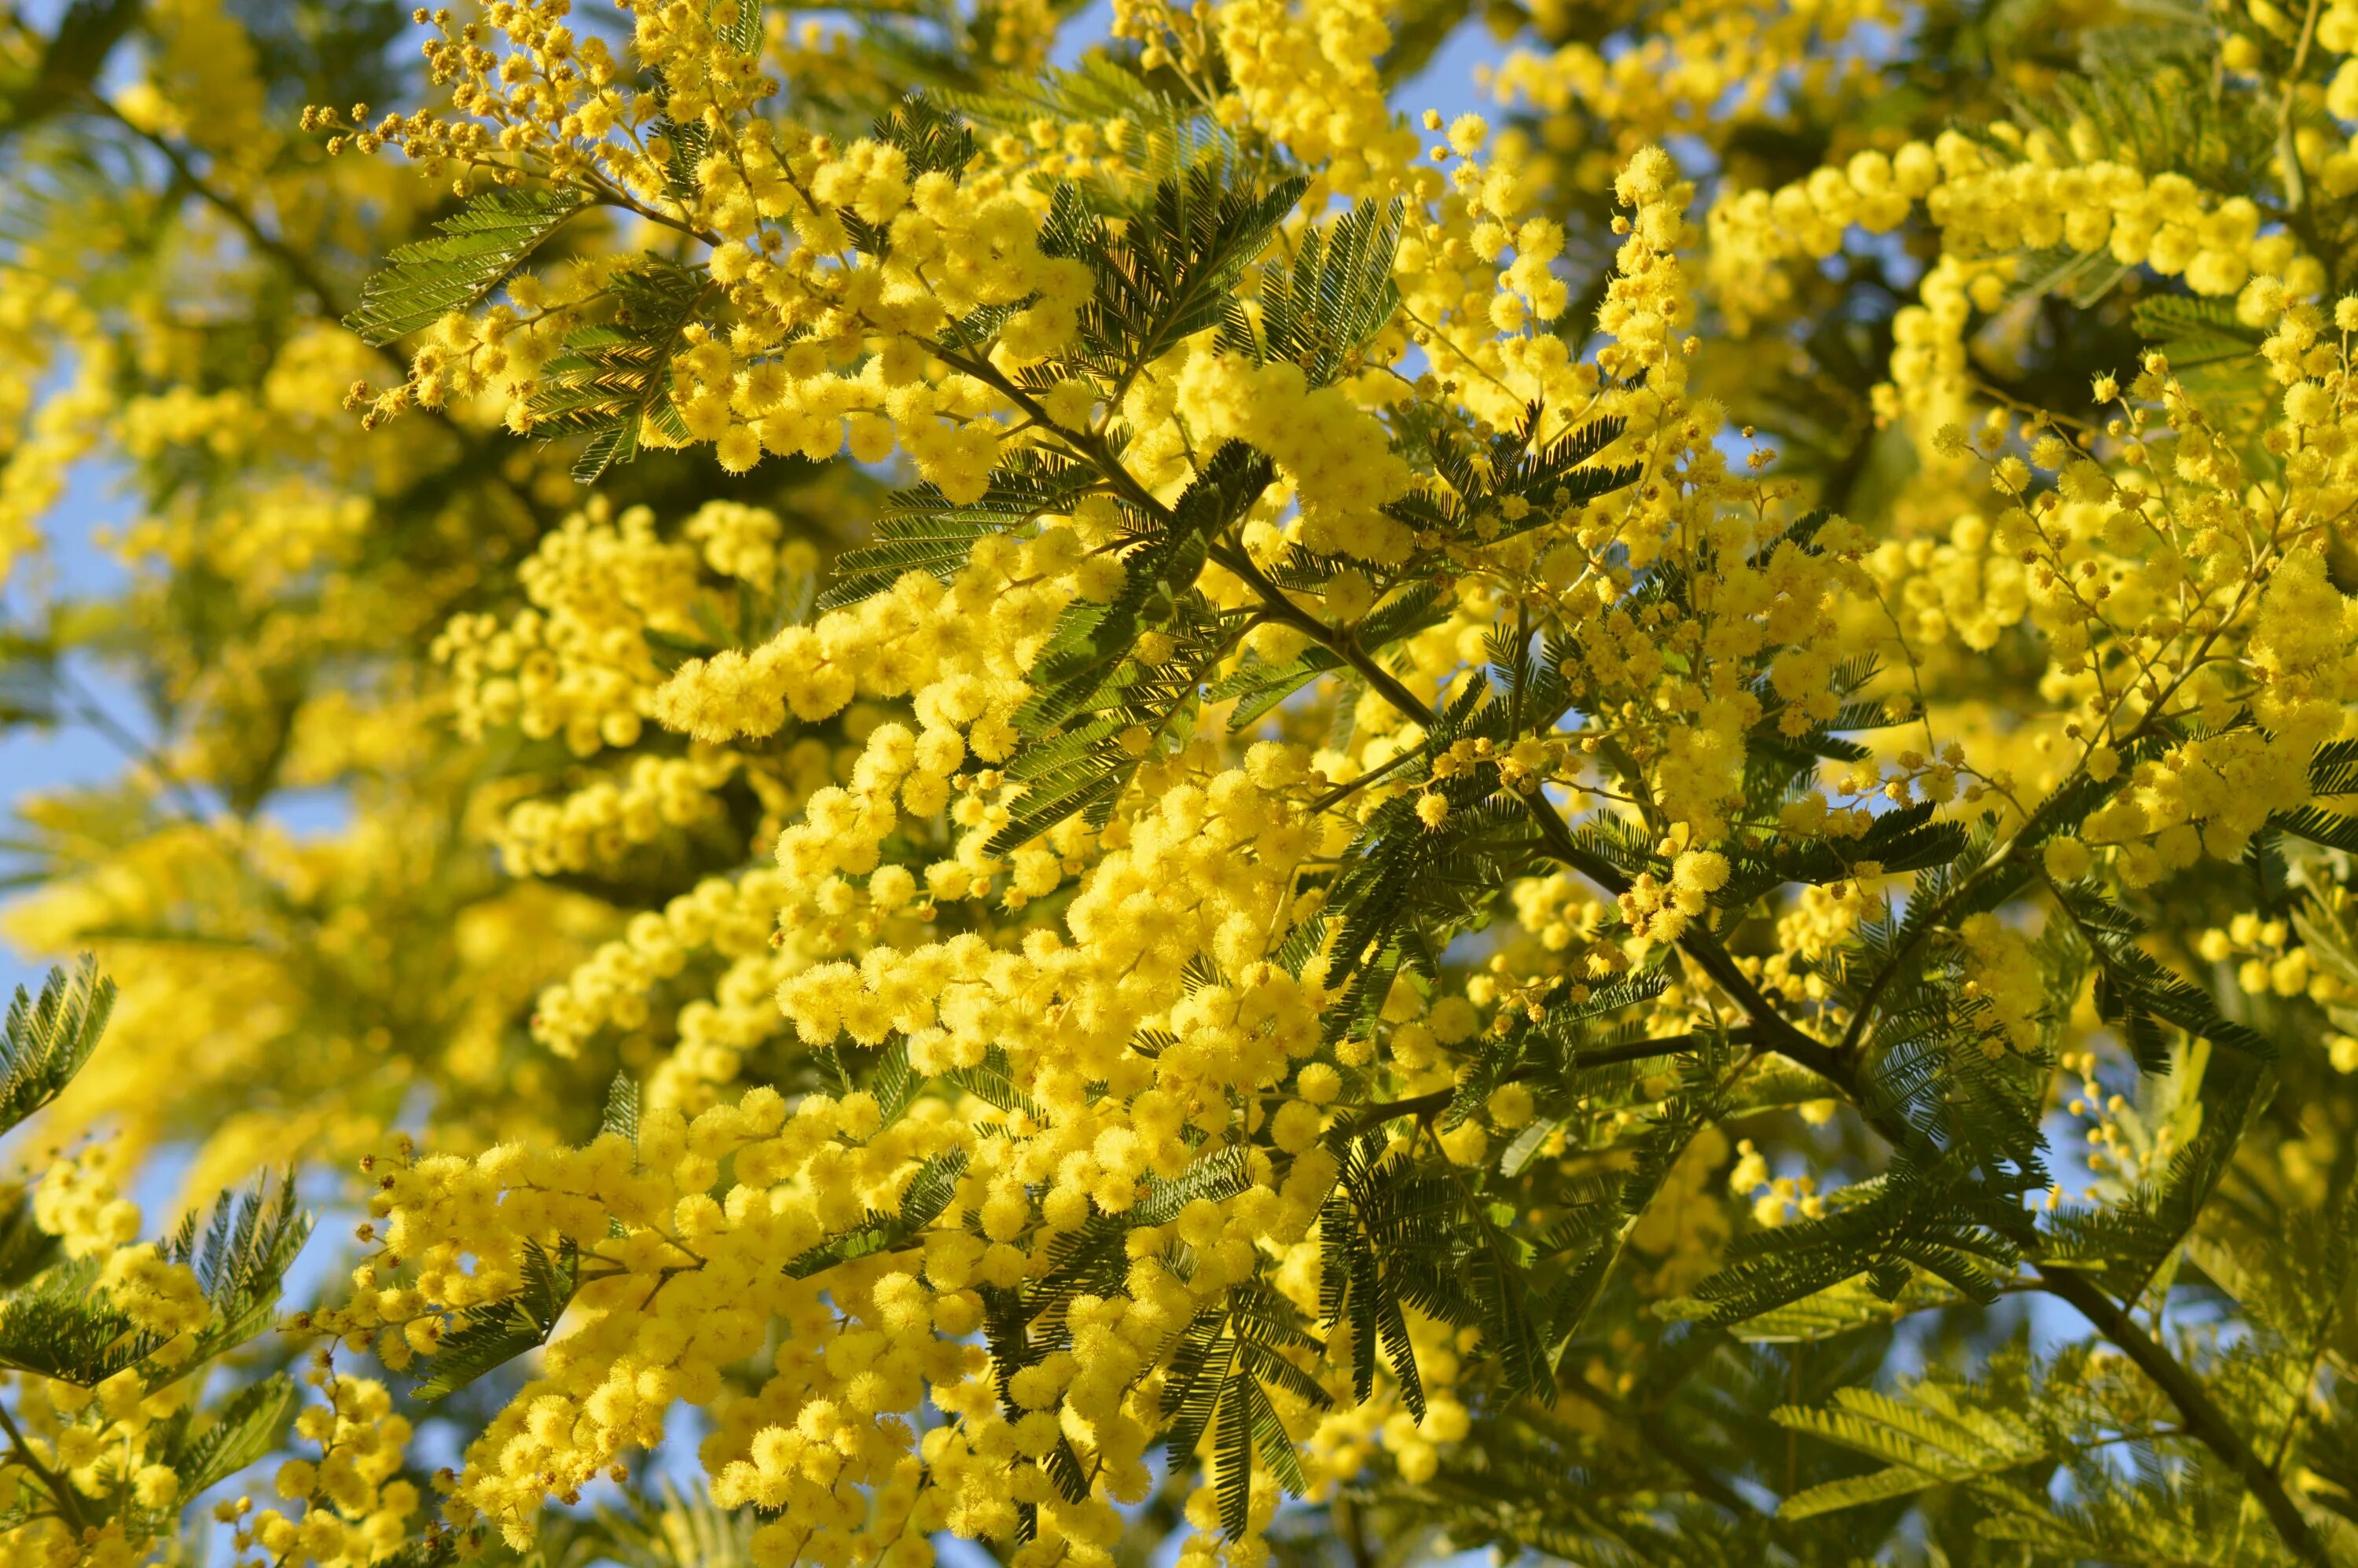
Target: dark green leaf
{"points": [[615, 378], [490, 1336]]}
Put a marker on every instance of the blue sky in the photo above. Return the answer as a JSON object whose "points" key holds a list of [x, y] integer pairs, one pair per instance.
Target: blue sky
{"points": [[76, 567]]}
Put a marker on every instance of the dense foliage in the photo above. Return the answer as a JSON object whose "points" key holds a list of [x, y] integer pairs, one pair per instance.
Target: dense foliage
{"points": [[1160, 810]]}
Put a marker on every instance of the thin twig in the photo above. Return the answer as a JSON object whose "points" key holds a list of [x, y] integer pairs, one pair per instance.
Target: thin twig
{"points": [[2205, 1421]]}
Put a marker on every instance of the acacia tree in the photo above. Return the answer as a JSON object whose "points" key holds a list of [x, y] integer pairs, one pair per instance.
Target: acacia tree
{"points": [[1147, 803]]}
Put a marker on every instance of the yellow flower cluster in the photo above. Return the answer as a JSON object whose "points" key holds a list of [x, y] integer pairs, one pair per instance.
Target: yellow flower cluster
{"points": [[92, 1439], [355, 1504], [1336, 457], [2003, 983], [2013, 191], [44, 326], [600, 822], [1305, 76], [732, 918], [80, 1449], [78, 1201], [2266, 963], [1700, 69], [160, 1296], [578, 663], [819, 351]]}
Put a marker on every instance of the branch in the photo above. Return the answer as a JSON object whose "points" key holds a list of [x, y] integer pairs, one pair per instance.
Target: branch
{"points": [[298, 268], [2205, 1421], [1343, 791], [293, 262], [1776, 1033], [1656, 1432], [62, 1492], [1425, 1104], [2007, 853]]}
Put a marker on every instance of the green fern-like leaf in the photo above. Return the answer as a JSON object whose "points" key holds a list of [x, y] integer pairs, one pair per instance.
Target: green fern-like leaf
{"points": [[932, 137], [2333, 829], [2124, 1244], [1382, 1211], [1218, 1384], [1167, 273], [64, 1327], [1097, 709], [2134, 991], [241, 1259], [45, 1039], [673, 1528], [496, 1333], [615, 378], [1336, 295], [243, 1430], [621, 1117], [928, 1194], [922, 530], [1172, 135], [479, 247]]}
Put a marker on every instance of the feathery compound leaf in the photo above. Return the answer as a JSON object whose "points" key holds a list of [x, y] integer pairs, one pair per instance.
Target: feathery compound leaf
{"points": [[1564, 465], [1905, 840], [1078, 672], [244, 1429], [933, 140], [1382, 1213], [674, 1529], [1852, 1491], [923, 530], [1258, 686], [243, 1260], [65, 1329], [2333, 829], [45, 1042], [1166, 276], [2193, 331], [2334, 768], [1216, 1385], [1093, 1259], [929, 1192], [931, 1189], [989, 1081], [496, 1333], [937, 544], [622, 1114], [480, 244], [1935, 1433], [1099, 86], [1837, 1310], [29, 682], [1099, 706], [2124, 1244], [1940, 1218], [613, 379], [1337, 295], [2132, 989]]}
